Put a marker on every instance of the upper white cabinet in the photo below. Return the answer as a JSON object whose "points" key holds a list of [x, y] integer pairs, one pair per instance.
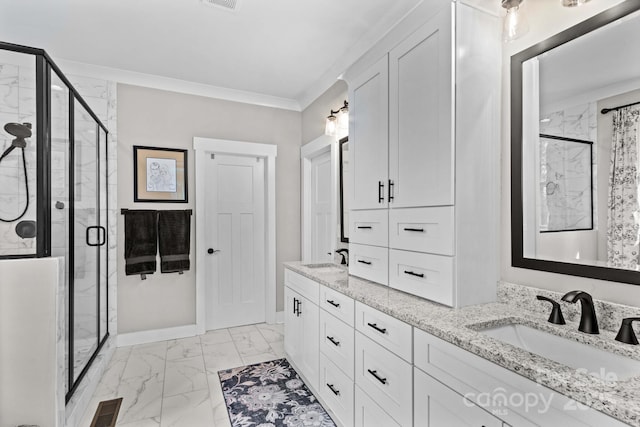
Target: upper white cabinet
{"points": [[421, 117], [430, 154], [369, 125]]}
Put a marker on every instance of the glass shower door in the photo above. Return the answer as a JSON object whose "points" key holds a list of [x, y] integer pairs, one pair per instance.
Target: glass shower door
{"points": [[87, 236]]}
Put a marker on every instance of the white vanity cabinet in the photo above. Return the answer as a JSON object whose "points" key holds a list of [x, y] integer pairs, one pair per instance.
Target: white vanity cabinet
{"points": [[302, 325], [371, 369], [436, 171]]}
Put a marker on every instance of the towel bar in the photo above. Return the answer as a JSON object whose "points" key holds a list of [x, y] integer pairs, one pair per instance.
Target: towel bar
{"points": [[125, 210]]}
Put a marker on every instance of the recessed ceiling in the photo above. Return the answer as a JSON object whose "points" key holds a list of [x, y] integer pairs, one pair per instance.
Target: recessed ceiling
{"points": [[280, 48]]}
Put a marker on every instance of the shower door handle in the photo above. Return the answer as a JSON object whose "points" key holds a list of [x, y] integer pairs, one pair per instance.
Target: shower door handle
{"points": [[102, 235]]}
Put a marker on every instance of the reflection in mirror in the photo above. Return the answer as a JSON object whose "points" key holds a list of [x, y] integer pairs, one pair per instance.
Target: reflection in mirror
{"points": [[344, 193], [576, 150]]}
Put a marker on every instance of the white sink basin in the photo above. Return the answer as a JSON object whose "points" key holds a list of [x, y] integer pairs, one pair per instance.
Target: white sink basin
{"points": [[599, 363]]}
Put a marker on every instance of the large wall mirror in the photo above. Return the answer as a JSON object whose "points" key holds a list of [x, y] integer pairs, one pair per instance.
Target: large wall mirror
{"points": [[575, 147]]}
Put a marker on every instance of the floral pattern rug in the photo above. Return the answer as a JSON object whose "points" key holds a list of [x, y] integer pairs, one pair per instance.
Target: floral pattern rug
{"points": [[270, 394]]}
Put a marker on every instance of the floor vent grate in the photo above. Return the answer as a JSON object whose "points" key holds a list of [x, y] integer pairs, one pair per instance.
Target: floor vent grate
{"points": [[107, 413]]}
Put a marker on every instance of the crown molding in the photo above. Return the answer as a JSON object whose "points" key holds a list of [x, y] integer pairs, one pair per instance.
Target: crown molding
{"points": [[175, 85]]}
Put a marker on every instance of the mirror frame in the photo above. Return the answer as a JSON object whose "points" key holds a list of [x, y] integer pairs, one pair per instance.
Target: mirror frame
{"points": [[517, 253], [341, 142]]}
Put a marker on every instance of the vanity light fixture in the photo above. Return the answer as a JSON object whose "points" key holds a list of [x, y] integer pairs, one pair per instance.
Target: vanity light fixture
{"points": [[330, 125], [337, 122], [573, 3], [515, 25]]}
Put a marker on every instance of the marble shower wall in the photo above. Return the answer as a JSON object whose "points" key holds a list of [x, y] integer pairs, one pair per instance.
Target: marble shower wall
{"points": [[577, 122], [17, 104]]}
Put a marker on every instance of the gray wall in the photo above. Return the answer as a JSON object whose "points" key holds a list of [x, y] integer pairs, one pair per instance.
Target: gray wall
{"points": [[159, 118], [313, 117], [546, 18]]}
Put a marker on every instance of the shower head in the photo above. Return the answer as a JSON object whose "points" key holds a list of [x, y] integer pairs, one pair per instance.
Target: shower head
{"points": [[20, 131]]}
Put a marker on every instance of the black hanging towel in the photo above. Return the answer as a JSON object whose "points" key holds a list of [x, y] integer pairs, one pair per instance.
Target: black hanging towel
{"points": [[174, 229], [140, 241]]}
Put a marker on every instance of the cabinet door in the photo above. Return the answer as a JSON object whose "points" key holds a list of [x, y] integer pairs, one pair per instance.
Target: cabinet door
{"points": [[309, 342], [369, 137], [421, 148], [369, 414], [292, 324], [436, 405]]}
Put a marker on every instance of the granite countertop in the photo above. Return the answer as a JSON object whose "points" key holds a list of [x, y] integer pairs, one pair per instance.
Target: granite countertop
{"points": [[619, 399]]}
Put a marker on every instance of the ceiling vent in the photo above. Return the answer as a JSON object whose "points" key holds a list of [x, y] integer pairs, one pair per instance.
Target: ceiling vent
{"points": [[230, 5]]}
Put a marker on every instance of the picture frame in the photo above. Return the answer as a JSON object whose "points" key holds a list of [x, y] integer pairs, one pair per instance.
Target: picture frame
{"points": [[160, 175]]}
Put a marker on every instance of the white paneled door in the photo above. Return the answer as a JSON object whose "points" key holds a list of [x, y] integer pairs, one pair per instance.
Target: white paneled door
{"points": [[235, 236], [321, 209]]}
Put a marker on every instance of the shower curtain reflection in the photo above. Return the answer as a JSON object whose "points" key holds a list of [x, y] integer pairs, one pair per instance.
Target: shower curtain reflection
{"points": [[623, 224]]}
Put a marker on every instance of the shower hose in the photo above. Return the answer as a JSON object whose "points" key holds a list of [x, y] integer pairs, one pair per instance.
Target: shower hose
{"points": [[26, 183]]}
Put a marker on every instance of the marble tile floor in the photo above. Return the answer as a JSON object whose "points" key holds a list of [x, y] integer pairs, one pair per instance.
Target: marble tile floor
{"points": [[175, 383]]}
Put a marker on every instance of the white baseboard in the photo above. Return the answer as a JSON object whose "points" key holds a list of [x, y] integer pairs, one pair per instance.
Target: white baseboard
{"points": [[156, 335], [279, 316]]}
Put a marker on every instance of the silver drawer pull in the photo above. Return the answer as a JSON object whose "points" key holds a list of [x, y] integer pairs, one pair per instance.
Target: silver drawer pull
{"points": [[336, 392], [411, 273], [375, 375]]}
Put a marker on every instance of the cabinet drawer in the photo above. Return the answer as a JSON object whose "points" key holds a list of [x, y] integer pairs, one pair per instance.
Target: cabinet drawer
{"points": [[422, 229], [302, 285], [425, 275], [336, 389], [369, 262], [391, 333], [337, 342], [386, 378], [369, 227], [369, 414], [436, 405], [341, 306]]}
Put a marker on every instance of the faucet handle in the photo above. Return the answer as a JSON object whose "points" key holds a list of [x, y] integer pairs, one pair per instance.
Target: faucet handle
{"points": [[626, 333], [556, 316]]}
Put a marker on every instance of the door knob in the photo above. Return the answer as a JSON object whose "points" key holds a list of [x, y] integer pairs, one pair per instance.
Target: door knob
{"points": [[212, 251]]}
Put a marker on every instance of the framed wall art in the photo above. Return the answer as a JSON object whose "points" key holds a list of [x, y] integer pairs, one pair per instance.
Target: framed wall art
{"points": [[159, 175]]}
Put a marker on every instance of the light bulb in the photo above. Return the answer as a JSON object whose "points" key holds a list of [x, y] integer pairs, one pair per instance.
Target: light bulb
{"points": [[515, 25], [330, 125]]}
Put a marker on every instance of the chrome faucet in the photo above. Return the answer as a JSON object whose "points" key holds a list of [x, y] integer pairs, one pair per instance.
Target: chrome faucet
{"points": [[345, 260], [588, 320]]}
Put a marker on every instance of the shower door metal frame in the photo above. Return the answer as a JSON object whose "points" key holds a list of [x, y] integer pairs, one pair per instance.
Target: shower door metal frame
{"points": [[44, 67]]}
